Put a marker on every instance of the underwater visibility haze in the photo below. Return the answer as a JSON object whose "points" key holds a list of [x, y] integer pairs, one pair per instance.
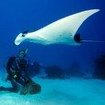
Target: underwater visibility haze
{"points": [[64, 42]]}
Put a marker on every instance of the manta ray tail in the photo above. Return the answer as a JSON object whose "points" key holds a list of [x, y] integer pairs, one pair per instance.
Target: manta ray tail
{"points": [[78, 39], [93, 41]]}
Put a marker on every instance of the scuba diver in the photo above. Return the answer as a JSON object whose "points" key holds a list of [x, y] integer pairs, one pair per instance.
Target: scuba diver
{"points": [[17, 74]]}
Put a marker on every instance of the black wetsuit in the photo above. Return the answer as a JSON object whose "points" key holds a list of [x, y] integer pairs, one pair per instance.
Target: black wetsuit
{"points": [[17, 73]]}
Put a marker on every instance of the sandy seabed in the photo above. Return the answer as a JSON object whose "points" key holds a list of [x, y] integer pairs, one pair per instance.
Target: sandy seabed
{"points": [[73, 91]]}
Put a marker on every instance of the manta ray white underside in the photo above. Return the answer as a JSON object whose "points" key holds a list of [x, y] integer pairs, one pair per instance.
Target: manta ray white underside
{"points": [[61, 31]]}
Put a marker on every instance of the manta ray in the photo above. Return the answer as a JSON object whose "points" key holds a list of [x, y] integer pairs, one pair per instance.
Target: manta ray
{"points": [[62, 31]]}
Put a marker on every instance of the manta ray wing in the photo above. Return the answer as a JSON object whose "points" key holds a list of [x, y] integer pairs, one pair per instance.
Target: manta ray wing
{"points": [[62, 30]]}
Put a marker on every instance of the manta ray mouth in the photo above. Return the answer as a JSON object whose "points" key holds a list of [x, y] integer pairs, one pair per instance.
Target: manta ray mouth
{"points": [[19, 39], [17, 42], [77, 38]]}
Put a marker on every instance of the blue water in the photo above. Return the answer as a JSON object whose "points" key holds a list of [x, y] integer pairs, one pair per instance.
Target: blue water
{"points": [[17, 16], [20, 15]]}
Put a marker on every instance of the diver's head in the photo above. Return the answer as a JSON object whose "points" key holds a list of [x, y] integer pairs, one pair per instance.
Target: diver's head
{"points": [[20, 38], [22, 53]]}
